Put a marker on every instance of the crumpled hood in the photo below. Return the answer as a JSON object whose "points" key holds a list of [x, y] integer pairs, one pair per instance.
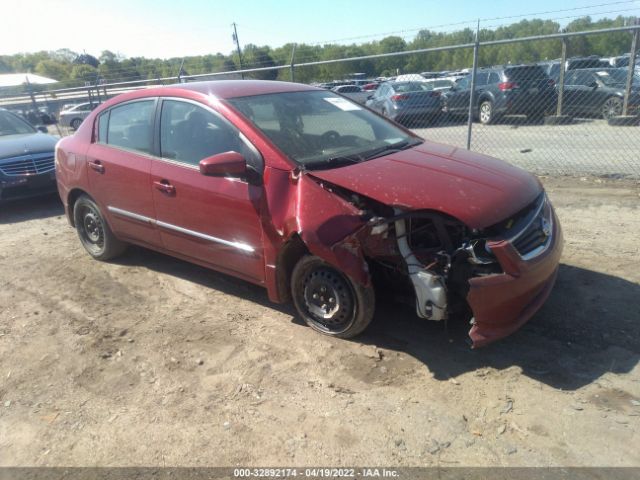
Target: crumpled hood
{"points": [[18, 145], [476, 189]]}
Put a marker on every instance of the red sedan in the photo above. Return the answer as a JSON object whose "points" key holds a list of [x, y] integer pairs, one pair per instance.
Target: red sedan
{"points": [[316, 198]]}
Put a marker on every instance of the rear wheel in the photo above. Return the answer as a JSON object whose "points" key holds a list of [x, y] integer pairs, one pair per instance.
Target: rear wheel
{"points": [[328, 301], [94, 232], [486, 113], [612, 107], [75, 123]]}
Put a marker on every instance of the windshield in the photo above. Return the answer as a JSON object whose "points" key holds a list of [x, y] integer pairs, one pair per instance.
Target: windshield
{"points": [[616, 77], [12, 125], [319, 129]]}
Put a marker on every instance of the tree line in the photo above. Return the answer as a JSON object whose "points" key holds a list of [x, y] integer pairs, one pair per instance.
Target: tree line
{"points": [[73, 69]]}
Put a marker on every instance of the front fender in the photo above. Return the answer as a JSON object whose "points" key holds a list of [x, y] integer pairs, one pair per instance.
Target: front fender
{"points": [[297, 204]]}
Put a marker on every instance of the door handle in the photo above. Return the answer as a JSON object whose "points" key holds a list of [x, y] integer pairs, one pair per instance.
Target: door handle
{"points": [[165, 186], [96, 165]]}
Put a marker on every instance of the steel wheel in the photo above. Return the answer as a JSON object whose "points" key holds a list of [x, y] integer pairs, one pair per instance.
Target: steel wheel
{"points": [[612, 107], [91, 229], [328, 299], [94, 232], [486, 112]]}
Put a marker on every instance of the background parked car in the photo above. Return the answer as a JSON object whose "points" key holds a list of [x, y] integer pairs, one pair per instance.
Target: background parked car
{"points": [[354, 92], [442, 84], [599, 92], [26, 159], [510, 90], [369, 87], [74, 116], [552, 67], [406, 101]]}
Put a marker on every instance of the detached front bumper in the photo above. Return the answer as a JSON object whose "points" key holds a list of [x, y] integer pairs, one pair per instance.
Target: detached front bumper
{"points": [[502, 303]]}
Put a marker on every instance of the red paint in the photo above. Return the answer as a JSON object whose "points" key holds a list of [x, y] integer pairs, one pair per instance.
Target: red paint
{"points": [[477, 190], [228, 163], [502, 303]]}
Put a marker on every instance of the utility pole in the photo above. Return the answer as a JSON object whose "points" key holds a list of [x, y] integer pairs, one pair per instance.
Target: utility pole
{"points": [[237, 42], [472, 99]]}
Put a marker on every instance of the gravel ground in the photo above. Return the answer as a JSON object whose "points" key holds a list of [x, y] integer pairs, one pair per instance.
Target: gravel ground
{"points": [[152, 361], [585, 147]]}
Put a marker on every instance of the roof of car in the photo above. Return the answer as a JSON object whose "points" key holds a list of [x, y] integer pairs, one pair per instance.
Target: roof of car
{"points": [[241, 88]]}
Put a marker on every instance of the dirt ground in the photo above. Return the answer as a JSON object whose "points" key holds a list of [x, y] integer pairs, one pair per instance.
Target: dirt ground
{"points": [[152, 361]]}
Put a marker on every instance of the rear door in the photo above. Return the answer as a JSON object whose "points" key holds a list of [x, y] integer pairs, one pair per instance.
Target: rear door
{"points": [[581, 92], [212, 220], [119, 170], [457, 100]]}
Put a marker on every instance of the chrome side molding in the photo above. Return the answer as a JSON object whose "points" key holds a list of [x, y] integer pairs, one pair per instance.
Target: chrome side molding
{"points": [[168, 226]]}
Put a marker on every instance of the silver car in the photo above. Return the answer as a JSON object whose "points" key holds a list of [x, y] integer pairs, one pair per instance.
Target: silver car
{"points": [[354, 92], [74, 116], [406, 101]]}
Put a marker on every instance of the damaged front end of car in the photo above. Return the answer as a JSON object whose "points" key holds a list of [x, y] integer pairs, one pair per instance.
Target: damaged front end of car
{"points": [[494, 277]]}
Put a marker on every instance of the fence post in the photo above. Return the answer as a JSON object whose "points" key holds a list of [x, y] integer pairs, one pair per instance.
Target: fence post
{"points": [[476, 47], [293, 56], [563, 63], [632, 69]]}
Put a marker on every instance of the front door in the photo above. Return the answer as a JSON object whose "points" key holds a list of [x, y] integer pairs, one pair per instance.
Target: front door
{"points": [[214, 220], [119, 170]]}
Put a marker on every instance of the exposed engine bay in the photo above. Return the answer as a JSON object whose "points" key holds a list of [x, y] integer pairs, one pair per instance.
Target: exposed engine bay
{"points": [[427, 258]]}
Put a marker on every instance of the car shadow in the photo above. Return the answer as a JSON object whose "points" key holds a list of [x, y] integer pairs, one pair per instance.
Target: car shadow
{"points": [[586, 328], [34, 208], [228, 284]]}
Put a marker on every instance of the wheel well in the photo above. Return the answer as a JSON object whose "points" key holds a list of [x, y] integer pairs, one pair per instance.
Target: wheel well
{"points": [[72, 198], [484, 98], [288, 257]]}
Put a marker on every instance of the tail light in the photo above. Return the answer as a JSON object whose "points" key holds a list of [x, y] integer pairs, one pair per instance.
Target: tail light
{"points": [[551, 83], [397, 98], [507, 86], [435, 94]]}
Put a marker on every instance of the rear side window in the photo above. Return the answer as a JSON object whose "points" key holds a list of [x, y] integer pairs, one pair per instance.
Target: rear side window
{"points": [[129, 126], [481, 79], [523, 74]]}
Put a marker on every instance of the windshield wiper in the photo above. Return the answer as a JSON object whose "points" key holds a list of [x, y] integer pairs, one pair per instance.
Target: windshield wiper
{"points": [[392, 147], [335, 161]]}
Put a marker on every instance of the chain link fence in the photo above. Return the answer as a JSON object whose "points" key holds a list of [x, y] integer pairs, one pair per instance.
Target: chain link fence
{"points": [[567, 116]]}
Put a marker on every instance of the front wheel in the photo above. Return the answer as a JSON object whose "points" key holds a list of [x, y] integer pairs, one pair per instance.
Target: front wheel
{"points": [[75, 123], [94, 232], [328, 301]]}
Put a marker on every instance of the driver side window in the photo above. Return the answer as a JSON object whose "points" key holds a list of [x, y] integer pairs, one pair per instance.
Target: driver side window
{"points": [[189, 133]]}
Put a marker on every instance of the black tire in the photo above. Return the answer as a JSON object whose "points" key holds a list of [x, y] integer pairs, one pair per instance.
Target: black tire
{"points": [[75, 123], [612, 107], [486, 115], [328, 301], [94, 232]]}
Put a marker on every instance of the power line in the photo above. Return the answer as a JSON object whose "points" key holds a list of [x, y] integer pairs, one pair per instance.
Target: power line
{"points": [[473, 22]]}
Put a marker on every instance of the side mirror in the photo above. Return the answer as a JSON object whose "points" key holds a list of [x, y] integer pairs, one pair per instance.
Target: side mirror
{"points": [[370, 96], [42, 128], [223, 164], [593, 85]]}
